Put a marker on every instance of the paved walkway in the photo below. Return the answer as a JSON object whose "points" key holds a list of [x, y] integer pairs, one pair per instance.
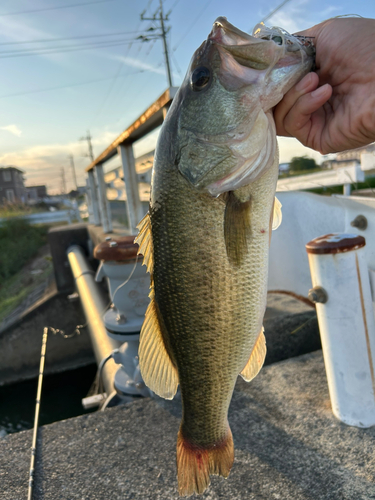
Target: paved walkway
{"points": [[288, 447]]}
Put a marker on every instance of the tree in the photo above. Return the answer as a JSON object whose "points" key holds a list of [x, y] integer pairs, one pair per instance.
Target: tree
{"points": [[299, 163]]}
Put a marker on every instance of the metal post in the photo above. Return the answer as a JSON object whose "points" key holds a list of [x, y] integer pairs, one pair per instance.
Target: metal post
{"points": [[94, 305], [71, 158], [346, 322], [164, 36], [347, 189], [133, 202], [105, 212], [89, 202], [94, 198]]}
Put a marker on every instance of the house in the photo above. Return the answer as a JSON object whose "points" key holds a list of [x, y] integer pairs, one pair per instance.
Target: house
{"points": [[12, 189], [36, 193]]}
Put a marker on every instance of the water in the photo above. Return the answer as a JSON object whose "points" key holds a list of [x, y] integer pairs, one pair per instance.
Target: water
{"points": [[61, 399]]}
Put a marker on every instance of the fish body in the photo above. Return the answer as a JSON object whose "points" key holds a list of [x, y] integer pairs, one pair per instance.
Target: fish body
{"points": [[206, 237]]}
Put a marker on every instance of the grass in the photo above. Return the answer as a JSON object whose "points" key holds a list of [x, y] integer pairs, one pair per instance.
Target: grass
{"points": [[15, 289], [19, 241], [19, 210]]}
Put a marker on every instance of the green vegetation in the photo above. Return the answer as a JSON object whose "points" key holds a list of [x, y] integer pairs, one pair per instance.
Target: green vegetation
{"points": [[18, 243], [15, 289], [302, 163], [19, 210]]}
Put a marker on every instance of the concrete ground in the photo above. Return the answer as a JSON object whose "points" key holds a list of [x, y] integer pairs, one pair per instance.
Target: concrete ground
{"points": [[288, 446]]}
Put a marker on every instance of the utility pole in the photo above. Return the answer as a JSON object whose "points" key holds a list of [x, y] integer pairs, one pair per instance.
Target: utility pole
{"points": [[88, 139], [63, 184], [74, 170], [162, 35]]}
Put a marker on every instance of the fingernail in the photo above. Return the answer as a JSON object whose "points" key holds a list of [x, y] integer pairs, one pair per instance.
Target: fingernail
{"points": [[304, 83], [319, 92]]}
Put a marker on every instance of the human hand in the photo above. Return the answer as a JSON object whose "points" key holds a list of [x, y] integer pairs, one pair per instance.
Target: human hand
{"points": [[334, 109]]}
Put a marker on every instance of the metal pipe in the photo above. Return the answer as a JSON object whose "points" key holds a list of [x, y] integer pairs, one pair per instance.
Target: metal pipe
{"points": [[346, 322], [94, 305]]}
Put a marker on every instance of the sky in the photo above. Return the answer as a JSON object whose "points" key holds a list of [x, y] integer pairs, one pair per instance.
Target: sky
{"points": [[84, 68]]}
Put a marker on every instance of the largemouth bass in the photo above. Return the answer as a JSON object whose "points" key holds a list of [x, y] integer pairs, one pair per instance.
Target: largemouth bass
{"points": [[206, 237]]}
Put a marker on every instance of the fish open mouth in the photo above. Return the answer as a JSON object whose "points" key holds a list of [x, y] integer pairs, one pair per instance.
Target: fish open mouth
{"points": [[265, 48]]}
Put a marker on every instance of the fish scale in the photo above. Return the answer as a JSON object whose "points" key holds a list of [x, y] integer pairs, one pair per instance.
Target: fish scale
{"points": [[212, 315], [206, 237]]}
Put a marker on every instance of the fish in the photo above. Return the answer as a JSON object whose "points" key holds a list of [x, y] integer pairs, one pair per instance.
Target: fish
{"points": [[205, 239]]}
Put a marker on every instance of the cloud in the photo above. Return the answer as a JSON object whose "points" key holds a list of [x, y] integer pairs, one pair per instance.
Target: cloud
{"points": [[136, 63], [13, 129], [293, 17], [43, 163]]}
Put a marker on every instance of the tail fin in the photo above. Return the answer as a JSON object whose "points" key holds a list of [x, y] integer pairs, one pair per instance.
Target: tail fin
{"points": [[195, 464]]}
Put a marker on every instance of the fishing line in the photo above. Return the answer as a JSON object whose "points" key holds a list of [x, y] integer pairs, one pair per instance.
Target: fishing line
{"points": [[96, 385]]}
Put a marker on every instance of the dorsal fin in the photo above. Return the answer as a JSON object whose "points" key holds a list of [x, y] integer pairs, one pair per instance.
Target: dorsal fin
{"points": [[144, 240], [256, 359], [237, 229], [157, 369]]}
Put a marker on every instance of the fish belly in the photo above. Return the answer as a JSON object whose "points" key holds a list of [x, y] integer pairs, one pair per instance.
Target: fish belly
{"points": [[212, 310]]}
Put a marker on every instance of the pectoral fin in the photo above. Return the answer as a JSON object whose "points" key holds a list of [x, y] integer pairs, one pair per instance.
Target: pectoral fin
{"points": [[144, 240], [157, 369], [256, 359], [277, 216], [237, 229]]}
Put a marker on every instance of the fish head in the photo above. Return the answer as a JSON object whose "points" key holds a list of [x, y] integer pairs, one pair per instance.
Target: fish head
{"points": [[226, 132]]}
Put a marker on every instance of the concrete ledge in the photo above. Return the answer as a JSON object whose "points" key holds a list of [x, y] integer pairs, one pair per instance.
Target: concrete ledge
{"points": [[288, 447], [21, 342]]}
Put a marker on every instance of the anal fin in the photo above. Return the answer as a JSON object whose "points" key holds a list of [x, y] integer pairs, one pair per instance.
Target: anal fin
{"points": [[157, 369], [256, 359], [237, 228]]}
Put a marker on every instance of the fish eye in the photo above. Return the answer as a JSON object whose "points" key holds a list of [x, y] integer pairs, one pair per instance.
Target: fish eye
{"points": [[200, 78], [278, 40]]}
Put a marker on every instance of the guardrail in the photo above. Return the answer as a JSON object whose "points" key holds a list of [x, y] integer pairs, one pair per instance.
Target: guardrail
{"points": [[49, 217]]}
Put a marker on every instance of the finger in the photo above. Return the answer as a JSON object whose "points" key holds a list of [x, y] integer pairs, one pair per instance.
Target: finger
{"points": [[307, 84], [297, 122]]}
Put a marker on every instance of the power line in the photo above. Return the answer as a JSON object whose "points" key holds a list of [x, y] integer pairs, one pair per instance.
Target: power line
{"points": [[274, 11], [192, 25], [37, 91], [45, 40], [163, 36], [7, 55], [121, 65], [64, 47], [54, 8]]}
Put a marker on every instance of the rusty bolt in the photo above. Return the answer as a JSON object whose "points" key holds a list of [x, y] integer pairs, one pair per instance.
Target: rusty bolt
{"points": [[318, 295], [360, 222]]}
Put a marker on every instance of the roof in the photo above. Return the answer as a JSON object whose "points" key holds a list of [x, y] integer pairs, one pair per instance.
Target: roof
{"points": [[146, 123], [10, 167]]}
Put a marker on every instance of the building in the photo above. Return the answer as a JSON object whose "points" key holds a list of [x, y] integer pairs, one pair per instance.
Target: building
{"points": [[355, 154], [12, 188], [36, 193]]}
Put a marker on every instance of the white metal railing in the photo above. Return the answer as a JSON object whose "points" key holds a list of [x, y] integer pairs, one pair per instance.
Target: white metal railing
{"points": [[97, 202]]}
